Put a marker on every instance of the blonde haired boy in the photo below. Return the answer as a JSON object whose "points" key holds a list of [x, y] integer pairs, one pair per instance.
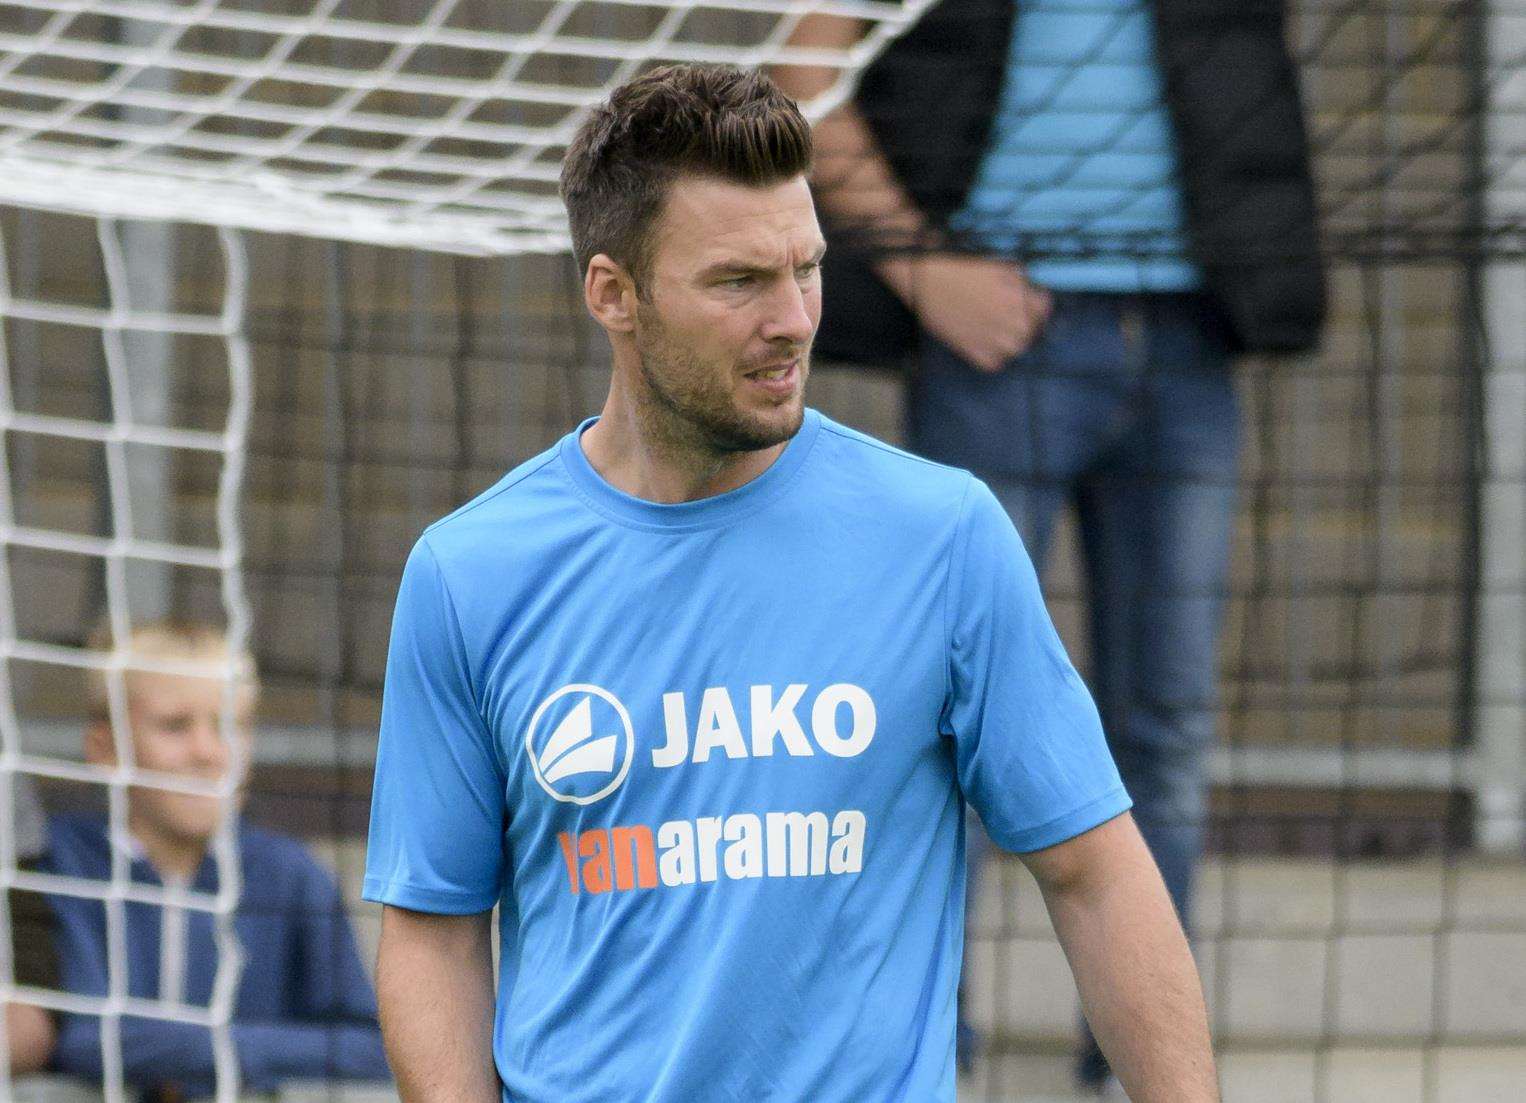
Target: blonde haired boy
{"points": [[304, 1008]]}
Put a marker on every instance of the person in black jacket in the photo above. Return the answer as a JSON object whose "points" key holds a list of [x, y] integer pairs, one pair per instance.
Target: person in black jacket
{"points": [[1068, 218]]}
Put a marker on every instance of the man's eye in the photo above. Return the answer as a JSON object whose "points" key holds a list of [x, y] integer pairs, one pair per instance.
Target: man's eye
{"points": [[736, 281], [806, 271]]}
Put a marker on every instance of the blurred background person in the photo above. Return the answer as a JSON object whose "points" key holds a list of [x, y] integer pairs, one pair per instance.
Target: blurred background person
{"points": [[29, 1030], [1068, 218], [305, 1008]]}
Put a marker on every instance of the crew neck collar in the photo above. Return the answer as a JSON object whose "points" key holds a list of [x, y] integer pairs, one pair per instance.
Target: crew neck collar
{"points": [[718, 509]]}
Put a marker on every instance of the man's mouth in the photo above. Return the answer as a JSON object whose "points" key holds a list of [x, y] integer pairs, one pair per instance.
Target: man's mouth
{"points": [[778, 381], [776, 368]]}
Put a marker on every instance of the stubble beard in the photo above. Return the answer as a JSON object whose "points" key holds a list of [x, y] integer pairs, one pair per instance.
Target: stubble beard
{"points": [[691, 404]]}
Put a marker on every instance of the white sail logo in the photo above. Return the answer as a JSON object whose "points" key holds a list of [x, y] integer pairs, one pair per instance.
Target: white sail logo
{"points": [[580, 744]]}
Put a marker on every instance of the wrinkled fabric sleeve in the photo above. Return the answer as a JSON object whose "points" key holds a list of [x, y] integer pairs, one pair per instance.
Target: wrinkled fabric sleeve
{"points": [[438, 810], [1029, 746]]}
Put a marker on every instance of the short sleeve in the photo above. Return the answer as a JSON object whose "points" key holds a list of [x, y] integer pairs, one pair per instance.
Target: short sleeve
{"points": [[437, 808], [1029, 745]]}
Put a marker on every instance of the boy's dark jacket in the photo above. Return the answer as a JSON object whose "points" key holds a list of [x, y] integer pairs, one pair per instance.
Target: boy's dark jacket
{"points": [[1233, 98]]}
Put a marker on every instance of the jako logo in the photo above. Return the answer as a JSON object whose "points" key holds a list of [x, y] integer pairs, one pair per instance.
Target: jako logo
{"points": [[580, 744]]}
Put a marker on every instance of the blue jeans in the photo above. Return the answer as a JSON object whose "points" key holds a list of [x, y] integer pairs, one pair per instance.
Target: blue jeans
{"points": [[1124, 405]]}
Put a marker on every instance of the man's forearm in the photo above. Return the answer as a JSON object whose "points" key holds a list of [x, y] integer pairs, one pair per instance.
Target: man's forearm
{"points": [[434, 985], [1139, 985]]}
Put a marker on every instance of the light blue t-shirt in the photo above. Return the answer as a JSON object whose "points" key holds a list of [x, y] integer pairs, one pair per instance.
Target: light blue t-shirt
{"points": [[709, 758], [1082, 165]]}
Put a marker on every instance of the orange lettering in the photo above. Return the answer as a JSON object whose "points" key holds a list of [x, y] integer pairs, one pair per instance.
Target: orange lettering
{"points": [[570, 858], [635, 857], [594, 845]]}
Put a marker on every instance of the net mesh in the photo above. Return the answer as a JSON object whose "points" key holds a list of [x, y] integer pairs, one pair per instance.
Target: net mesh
{"points": [[438, 125], [1372, 713], [127, 551]]}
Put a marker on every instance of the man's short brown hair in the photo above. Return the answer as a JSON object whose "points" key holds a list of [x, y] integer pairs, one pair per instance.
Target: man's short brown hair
{"points": [[709, 120]]}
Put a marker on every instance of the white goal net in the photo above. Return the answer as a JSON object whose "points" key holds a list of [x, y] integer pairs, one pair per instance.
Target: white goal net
{"points": [[434, 125], [128, 554]]}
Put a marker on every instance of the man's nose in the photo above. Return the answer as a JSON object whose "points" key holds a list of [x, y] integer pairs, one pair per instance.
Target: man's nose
{"points": [[791, 318]]}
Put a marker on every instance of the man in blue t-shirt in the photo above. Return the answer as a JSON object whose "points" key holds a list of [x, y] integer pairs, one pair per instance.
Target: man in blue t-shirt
{"points": [[697, 697]]}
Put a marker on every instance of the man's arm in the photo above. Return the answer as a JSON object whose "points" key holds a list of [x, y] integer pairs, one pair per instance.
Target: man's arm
{"points": [[983, 309], [1139, 985], [434, 982]]}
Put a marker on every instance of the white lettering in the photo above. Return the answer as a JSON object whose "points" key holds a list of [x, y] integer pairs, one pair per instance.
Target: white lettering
{"points": [[824, 720], [709, 831], [677, 722], [847, 854], [777, 718], [676, 840], [798, 839], [718, 727], [773, 721], [744, 857]]}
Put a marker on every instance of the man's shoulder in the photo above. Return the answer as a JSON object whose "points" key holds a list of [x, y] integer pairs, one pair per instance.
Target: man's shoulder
{"points": [[521, 491], [529, 508], [889, 477]]}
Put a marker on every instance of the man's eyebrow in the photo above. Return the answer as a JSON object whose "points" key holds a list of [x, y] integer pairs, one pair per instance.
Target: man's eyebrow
{"points": [[749, 267], [738, 267]]}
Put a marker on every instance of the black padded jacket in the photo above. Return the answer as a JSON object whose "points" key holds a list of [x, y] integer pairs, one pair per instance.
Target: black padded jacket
{"points": [[1233, 98]]}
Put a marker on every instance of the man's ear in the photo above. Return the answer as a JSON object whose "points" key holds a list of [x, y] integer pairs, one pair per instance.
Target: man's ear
{"points": [[610, 294], [100, 747]]}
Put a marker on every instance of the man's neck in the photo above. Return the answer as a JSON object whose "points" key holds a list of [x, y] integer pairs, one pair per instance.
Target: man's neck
{"points": [[634, 451]]}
